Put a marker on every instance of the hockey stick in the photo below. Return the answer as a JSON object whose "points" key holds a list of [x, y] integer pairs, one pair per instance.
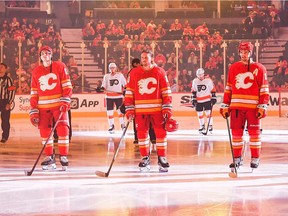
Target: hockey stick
{"points": [[205, 133], [103, 174], [231, 174], [29, 173]]}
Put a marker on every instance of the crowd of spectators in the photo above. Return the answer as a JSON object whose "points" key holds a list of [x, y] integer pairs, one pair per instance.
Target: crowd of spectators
{"points": [[123, 4], [117, 35], [30, 33], [25, 4], [140, 34]]}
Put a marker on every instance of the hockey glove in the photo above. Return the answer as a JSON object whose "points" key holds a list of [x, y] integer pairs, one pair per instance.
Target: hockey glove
{"points": [[34, 118], [167, 113], [213, 99], [99, 89], [64, 107], [130, 114], [224, 110], [122, 109], [194, 102], [261, 110]]}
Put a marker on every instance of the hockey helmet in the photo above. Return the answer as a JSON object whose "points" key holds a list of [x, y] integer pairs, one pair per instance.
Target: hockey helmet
{"points": [[200, 72], [49, 49], [245, 46], [112, 65], [171, 125]]}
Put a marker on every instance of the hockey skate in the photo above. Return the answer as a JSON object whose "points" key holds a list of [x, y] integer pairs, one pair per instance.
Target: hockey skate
{"points": [[238, 162], [111, 129], [64, 162], [145, 164], [210, 129], [49, 161], [163, 164], [202, 129], [254, 163]]}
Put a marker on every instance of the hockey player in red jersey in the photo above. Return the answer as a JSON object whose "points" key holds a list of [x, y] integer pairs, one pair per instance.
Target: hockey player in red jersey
{"points": [[51, 91], [245, 100], [148, 100], [203, 98]]}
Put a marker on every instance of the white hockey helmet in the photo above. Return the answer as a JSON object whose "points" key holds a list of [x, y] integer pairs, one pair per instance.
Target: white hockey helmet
{"points": [[112, 65], [200, 72]]}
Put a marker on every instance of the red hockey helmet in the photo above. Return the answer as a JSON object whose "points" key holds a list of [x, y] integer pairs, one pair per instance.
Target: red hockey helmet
{"points": [[49, 49], [171, 125], [245, 46]]}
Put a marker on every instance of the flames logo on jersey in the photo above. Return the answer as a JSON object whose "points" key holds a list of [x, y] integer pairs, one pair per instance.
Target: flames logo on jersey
{"points": [[143, 85], [244, 80], [45, 81]]}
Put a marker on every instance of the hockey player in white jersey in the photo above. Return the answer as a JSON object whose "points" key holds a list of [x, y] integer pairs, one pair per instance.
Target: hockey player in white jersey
{"points": [[113, 84], [203, 98]]}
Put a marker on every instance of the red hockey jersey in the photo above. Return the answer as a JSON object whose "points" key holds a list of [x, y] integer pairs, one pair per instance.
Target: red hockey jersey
{"points": [[246, 89], [148, 92], [49, 85]]}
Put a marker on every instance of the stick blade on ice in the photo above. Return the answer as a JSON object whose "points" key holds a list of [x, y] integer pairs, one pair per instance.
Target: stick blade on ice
{"points": [[101, 174], [27, 173], [233, 175]]}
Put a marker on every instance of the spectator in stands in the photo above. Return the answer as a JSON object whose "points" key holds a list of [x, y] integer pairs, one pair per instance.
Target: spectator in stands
{"points": [[185, 77], [202, 31], [274, 9], [160, 60], [248, 23], [25, 86], [160, 32], [30, 41], [215, 41], [172, 58], [130, 27], [210, 65], [188, 33], [100, 27], [258, 24], [176, 26], [140, 27], [119, 32], [165, 25], [152, 25], [5, 26], [274, 23], [36, 24], [219, 85], [280, 71], [15, 23], [74, 12], [174, 86], [88, 32]]}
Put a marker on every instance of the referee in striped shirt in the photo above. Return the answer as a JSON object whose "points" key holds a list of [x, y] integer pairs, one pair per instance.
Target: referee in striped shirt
{"points": [[7, 94]]}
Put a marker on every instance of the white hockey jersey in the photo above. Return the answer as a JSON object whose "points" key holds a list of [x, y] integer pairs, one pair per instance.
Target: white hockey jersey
{"points": [[203, 88], [114, 85]]}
